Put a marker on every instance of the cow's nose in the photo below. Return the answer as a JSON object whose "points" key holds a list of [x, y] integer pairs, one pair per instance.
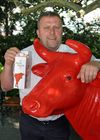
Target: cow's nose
{"points": [[34, 106]]}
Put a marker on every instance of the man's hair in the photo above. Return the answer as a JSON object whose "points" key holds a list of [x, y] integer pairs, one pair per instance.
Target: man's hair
{"points": [[50, 14]]}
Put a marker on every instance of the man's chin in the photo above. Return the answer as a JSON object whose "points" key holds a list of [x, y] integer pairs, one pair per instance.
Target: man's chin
{"points": [[52, 48]]}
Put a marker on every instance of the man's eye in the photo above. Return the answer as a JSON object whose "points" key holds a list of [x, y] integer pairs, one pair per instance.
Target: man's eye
{"points": [[46, 28], [57, 28]]}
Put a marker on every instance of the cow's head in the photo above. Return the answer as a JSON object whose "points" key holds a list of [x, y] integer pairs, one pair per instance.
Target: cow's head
{"points": [[59, 88]]}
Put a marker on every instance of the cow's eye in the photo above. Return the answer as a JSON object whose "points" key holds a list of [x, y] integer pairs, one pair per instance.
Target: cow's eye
{"points": [[69, 78]]}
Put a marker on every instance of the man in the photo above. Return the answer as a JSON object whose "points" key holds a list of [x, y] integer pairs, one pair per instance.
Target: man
{"points": [[54, 127]]}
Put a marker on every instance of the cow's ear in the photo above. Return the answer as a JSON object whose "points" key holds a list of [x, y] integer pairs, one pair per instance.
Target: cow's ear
{"points": [[40, 69]]}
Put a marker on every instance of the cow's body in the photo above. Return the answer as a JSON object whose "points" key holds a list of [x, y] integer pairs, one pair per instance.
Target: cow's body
{"points": [[60, 91], [85, 117]]}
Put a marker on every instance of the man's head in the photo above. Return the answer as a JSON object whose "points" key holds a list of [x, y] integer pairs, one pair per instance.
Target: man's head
{"points": [[50, 30]]}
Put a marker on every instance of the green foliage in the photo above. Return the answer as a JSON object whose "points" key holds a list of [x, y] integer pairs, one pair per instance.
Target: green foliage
{"points": [[88, 33], [13, 93], [1, 67]]}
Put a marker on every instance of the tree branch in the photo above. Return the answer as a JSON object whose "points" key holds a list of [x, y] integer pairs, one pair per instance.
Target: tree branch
{"points": [[92, 6], [80, 11], [17, 3], [52, 3]]}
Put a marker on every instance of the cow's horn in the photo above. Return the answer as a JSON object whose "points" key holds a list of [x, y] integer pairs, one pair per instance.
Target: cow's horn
{"points": [[82, 49]]}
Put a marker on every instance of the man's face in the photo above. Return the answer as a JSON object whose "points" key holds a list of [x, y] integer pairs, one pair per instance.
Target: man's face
{"points": [[50, 32]]}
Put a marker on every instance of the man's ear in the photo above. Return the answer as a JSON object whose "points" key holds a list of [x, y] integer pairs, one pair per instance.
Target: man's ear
{"points": [[37, 31]]}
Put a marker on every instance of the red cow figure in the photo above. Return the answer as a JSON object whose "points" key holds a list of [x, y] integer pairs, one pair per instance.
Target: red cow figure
{"points": [[60, 91]]}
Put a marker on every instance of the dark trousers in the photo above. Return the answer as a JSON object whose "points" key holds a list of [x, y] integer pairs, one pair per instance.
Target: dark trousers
{"points": [[32, 129]]}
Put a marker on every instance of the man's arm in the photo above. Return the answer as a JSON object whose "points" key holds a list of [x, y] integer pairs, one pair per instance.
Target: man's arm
{"points": [[89, 71], [7, 73]]}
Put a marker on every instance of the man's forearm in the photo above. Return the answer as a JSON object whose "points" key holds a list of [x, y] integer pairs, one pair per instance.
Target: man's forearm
{"points": [[97, 63], [7, 78]]}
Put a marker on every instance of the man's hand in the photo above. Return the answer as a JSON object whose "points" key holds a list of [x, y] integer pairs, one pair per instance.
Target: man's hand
{"points": [[7, 73], [10, 56], [88, 72]]}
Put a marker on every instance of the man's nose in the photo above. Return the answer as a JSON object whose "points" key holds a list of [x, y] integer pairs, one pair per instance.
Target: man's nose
{"points": [[52, 30]]}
